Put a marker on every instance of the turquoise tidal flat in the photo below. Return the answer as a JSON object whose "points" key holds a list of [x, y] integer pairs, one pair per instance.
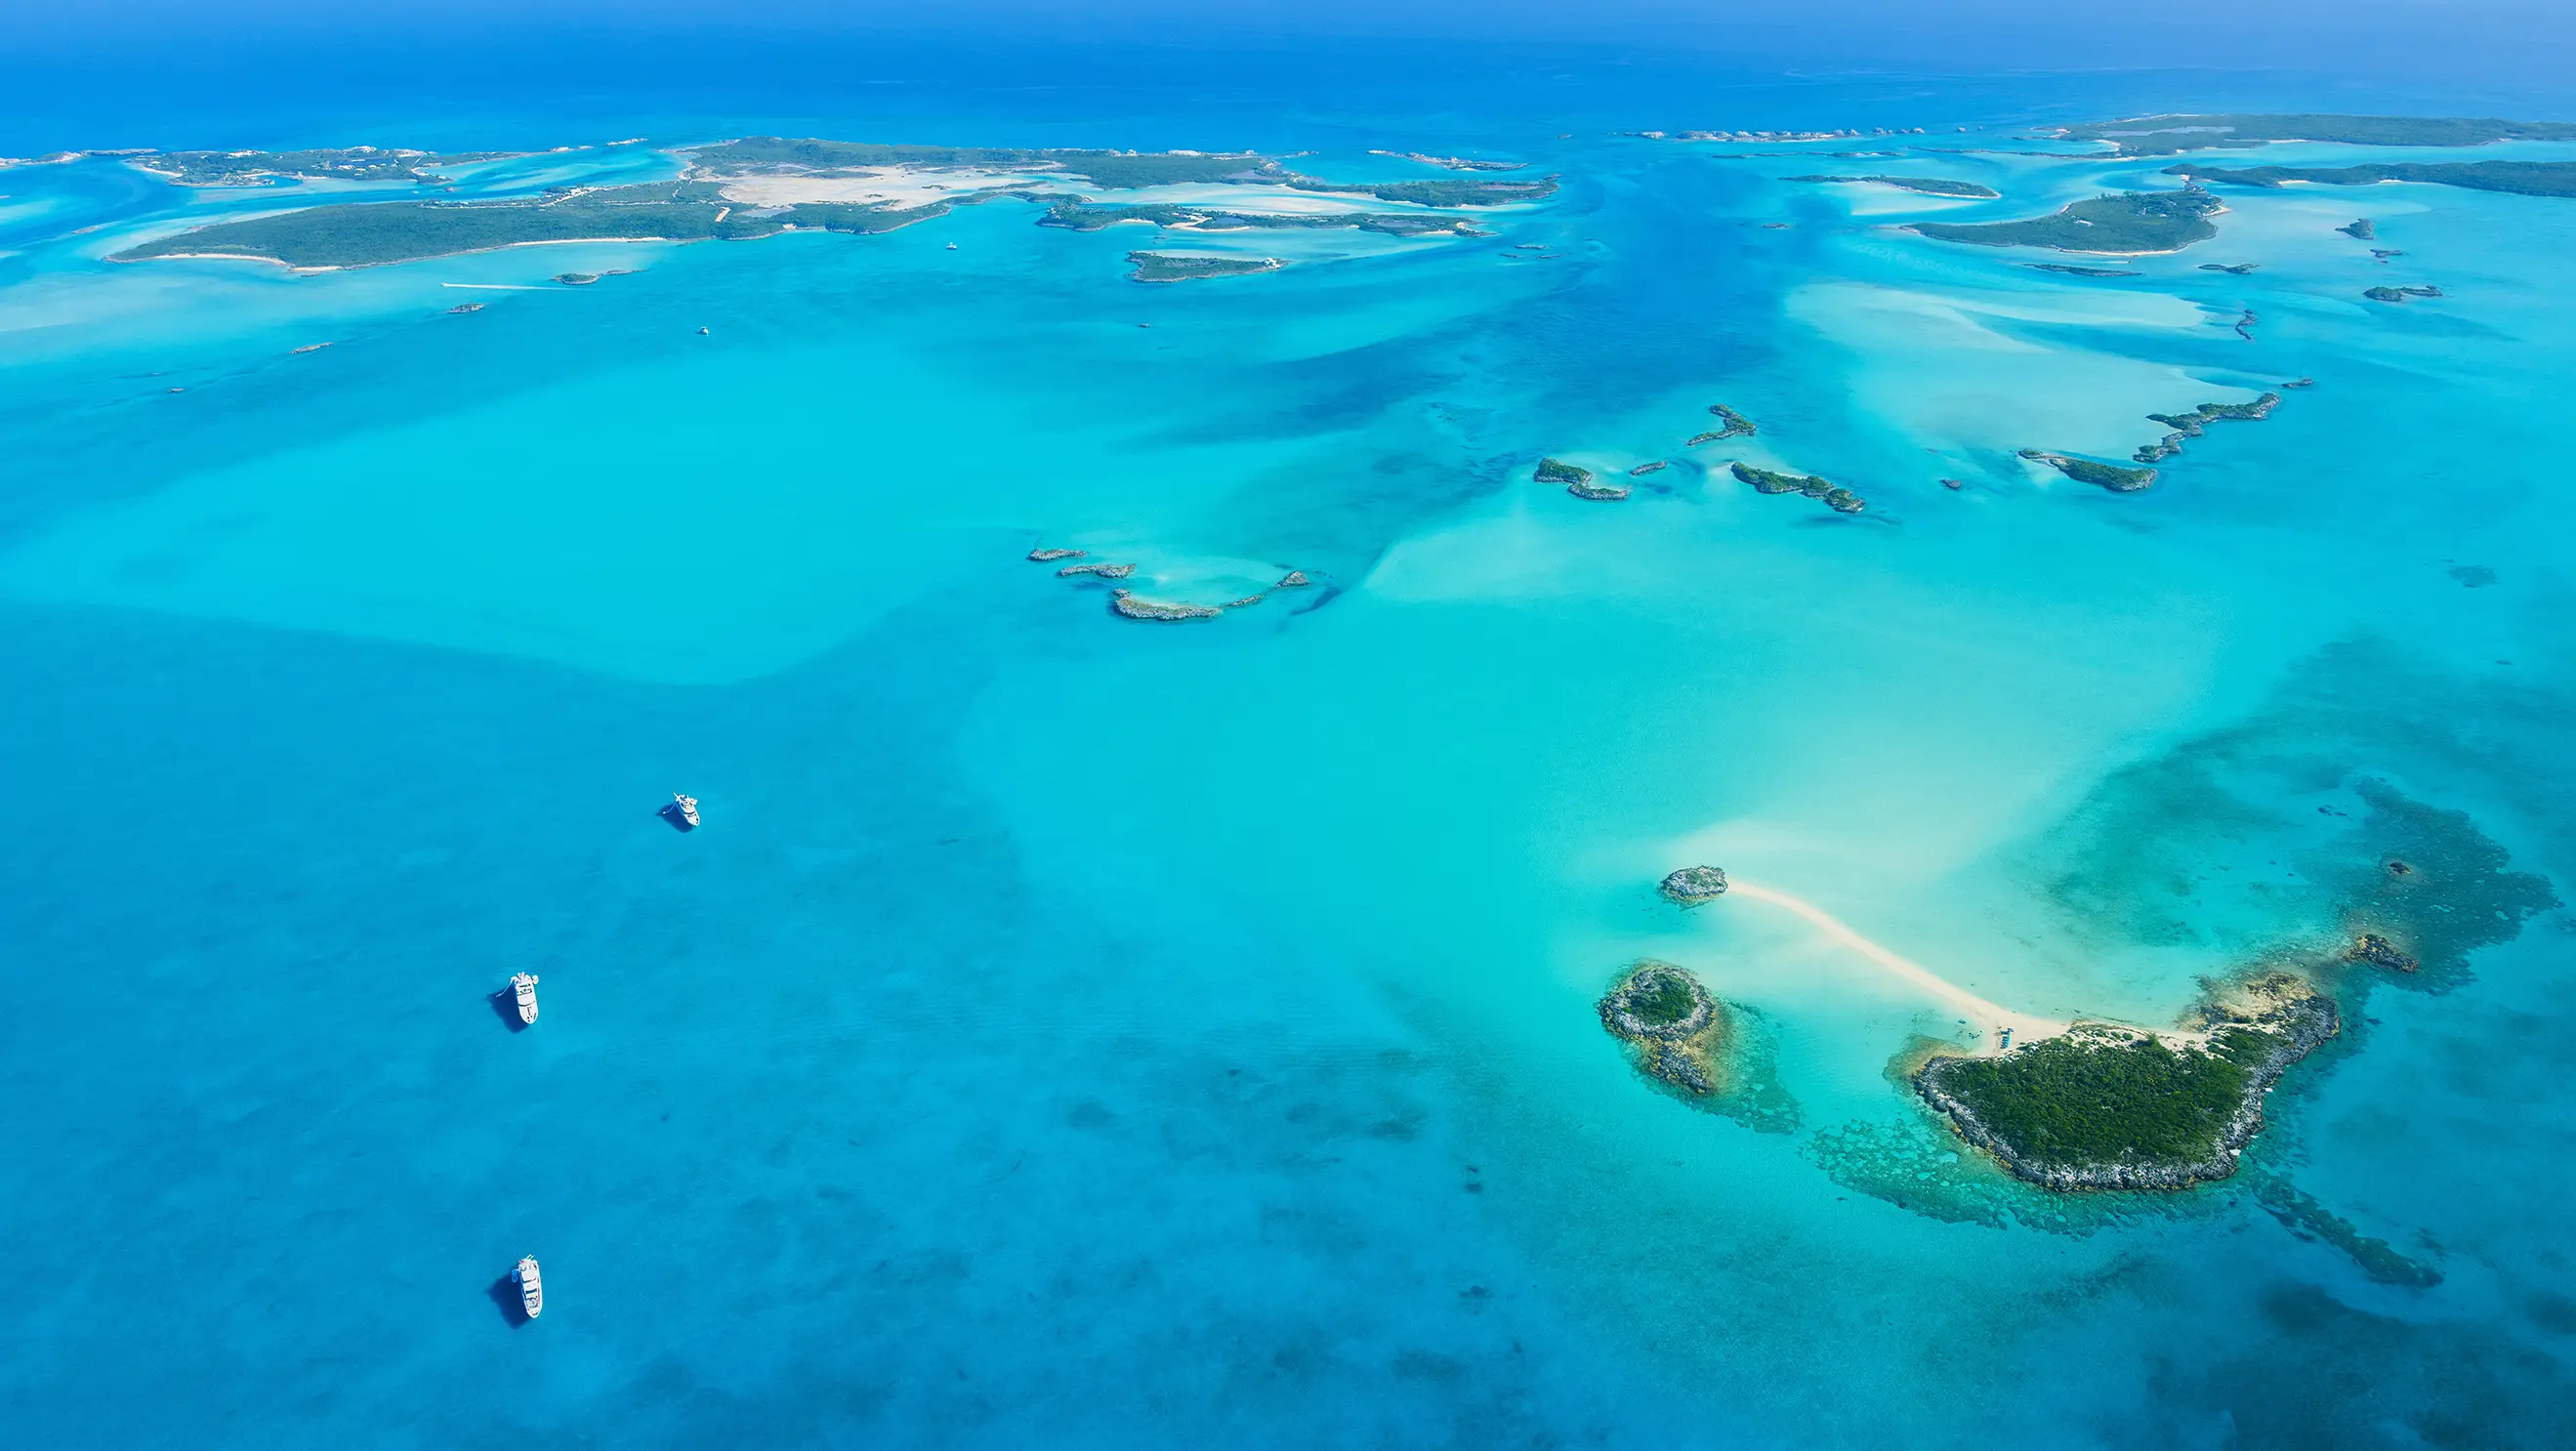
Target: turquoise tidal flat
{"points": [[1068, 1029]]}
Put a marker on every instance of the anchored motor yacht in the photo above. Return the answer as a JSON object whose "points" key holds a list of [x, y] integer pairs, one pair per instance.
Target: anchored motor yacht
{"points": [[525, 984], [532, 1291], [682, 813]]}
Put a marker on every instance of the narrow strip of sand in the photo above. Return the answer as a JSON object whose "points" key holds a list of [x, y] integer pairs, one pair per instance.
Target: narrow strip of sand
{"points": [[1987, 1016]]}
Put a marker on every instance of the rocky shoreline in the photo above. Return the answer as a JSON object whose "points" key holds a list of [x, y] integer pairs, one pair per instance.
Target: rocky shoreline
{"points": [[2117, 479], [1674, 1024], [1691, 886], [1128, 605], [1814, 486], [2298, 1020]]}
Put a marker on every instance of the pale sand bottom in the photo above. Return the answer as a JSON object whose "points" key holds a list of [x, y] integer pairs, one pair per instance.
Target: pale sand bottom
{"points": [[2025, 1027]]}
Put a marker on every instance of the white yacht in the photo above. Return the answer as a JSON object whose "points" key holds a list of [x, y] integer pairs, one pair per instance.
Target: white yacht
{"points": [[532, 1291], [525, 985], [682, 812]]}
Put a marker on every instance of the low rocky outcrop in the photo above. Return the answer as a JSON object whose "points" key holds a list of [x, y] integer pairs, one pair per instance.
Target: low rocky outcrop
{"points": [[1050, 556], [1691, 886], [1673, 1024], [1097, 570], [2378, 951], [1127, 606]]}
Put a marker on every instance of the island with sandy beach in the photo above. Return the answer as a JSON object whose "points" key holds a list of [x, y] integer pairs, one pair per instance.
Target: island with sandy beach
{"points": [[1452, 163], [2104, 1106], [268, 168], [1831, 494], [2167, 135], [1074, 214], [762, 186], [1924, 185], [2520, 178], [1193, 267], [2115, 477], [2124, 223]]}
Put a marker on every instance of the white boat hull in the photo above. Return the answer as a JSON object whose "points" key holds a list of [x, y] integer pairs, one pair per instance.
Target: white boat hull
{"points": [[532, 1290]]}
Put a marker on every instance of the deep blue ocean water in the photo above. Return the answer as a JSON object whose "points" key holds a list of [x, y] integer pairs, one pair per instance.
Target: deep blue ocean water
{"points": [[1068, 1031]]}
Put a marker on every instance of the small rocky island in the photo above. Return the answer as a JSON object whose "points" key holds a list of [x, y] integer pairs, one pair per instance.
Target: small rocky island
{"points": [[1578, 481], [1127, 606], [1736, 425], [2400, 294], [1677, 1030], [2108, 1107], [1834, 496], [1693, 885], [2117, 479]]}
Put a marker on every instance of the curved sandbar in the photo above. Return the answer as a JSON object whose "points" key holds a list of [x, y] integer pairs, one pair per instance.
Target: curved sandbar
{"points": [[1975, 1009]]}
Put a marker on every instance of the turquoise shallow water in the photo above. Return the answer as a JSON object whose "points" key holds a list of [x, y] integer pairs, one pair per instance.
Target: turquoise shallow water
{"points": [[1069, 1031]]}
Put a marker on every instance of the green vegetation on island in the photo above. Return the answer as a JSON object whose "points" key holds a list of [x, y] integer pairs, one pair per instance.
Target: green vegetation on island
{"points": [[1181, 267], [2114, 477], [1441, 193], [357, 233], [1452, 163], [1712, 1054], [2167, 135], [2075, 270], [2521, 178], [2400, 294], [2126, 222], [1129, 607], [2192, 424], [1736, 424], [360, 234], [2104, 1107], [1927, 185], [1116, 170], [1073, 214], [259, 168], [1557, 471], [1834, 496], [1677, 1029]]}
